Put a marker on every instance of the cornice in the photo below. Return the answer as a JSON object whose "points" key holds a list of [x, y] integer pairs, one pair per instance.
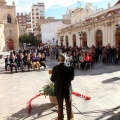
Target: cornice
{"points": [[78, 25]]}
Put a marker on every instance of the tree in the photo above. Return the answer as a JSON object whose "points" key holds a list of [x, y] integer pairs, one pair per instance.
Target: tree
{"points": [[29, 38]]}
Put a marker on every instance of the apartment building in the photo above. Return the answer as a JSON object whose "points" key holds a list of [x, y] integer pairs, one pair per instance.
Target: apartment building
{"points": [[24, 19], [28, 22], [38, 12]]}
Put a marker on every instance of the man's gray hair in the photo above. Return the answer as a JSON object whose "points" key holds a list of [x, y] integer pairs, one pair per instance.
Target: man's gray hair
{"points": [[61, 58]]}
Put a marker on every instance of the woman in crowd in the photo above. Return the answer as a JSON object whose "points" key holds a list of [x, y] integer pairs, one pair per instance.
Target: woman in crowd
{"points": [[13, 63], [35, 61], [82, 60], [21, 62], [43, 60], [29, 61], [104, 55], [74, 60]]}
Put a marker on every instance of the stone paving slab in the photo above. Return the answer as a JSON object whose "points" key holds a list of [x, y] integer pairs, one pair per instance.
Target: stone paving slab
{"points": [[101, 83]]}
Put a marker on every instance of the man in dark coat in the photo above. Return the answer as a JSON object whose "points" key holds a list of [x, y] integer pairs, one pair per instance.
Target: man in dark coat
{"points": [[7, 62], [62, 76], [13, 63]]}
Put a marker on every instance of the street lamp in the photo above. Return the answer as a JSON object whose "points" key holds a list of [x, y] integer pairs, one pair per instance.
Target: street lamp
{"points": [[56, 42], [62, 40], [80, 36], [53, 40], [118, 32]]}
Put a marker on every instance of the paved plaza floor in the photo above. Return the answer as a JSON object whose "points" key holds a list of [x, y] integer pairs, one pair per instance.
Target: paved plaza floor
{"points": [[101, 83]]}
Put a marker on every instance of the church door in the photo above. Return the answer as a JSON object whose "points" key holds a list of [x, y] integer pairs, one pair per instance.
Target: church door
{"points": [[11, 44]]}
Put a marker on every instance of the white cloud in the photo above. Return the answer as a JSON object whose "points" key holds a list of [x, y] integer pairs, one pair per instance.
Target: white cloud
{"points": [[25, 5], [67, 3]]}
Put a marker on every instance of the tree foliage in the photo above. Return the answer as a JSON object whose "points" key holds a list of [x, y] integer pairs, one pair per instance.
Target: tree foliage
{"points": [[29, 38]]}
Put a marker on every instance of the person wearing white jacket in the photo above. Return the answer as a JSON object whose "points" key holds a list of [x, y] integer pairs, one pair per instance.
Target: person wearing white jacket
{"points": [[68, 59]]}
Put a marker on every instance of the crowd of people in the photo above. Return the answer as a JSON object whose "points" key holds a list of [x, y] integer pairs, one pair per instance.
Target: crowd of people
{"points": [[27, 59], [78, 57], [85, 57]]}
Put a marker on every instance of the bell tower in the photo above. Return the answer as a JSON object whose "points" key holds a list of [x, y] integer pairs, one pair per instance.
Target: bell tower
{"points": [[2, 2]]}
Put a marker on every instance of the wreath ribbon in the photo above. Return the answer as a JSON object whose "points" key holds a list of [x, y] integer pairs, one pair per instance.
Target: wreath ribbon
{"points": [[73, 93]]}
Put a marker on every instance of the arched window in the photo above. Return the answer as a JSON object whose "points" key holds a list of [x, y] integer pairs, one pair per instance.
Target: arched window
{"points": [[9, 19], [74, 40], [66, 41], [99, 38], [84, 39]]}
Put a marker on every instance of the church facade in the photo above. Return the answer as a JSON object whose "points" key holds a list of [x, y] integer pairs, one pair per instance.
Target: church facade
{"points": [[8, 27], [91, 26]]}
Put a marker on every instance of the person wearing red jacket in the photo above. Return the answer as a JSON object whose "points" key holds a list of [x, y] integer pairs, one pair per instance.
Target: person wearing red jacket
{"points": [[89, 60]]}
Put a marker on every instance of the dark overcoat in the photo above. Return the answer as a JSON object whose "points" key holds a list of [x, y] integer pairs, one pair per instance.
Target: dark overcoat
{"points": [[62, 76]]}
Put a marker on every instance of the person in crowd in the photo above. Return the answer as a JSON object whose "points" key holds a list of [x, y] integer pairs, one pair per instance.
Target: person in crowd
{"points": [[47, 50], [74, 60], [21, 62], [25, 59], [77, 57], [29, 61], [91, 59], [57, 52], [112, 53], [7, 62], [108, 49], [14, 52], [100, 52], [104, 55], [53, 53], [43, 60], [62, 76], [68, 59], [116, 55], [96, 54], [13, 63], [35, 61], [82, 60], [39, 56], [50, 51], [88, 60]]}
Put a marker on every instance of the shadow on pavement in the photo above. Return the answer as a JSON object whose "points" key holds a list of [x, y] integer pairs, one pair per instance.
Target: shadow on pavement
{"points": [[36, 112], [115, 117], [104, 113], [98, 69], [111, 80], [3, 71]]}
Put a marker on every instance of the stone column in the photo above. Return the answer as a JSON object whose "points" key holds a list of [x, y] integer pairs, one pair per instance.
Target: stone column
{"points": [[113, 38], [104, 34]]}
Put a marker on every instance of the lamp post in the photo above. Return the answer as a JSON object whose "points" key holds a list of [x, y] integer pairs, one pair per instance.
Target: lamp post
{"points": [[80, 36], [61, 39], [118, 33], [56, 42], [53, 40]]}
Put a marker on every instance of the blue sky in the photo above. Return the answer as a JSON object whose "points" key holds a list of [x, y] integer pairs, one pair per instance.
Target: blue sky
{"points": [[56, 8]]}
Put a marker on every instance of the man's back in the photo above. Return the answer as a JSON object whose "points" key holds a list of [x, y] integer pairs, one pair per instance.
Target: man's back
{"points": [[62, 76]]}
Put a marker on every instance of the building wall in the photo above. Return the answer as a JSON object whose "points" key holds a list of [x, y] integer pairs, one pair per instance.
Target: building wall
{"points": [[108, 32], [2, 37], [38, 12], [10, 29], [24, 20], [106, 23], [68, 14], [83, 13], [49, 31]]}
